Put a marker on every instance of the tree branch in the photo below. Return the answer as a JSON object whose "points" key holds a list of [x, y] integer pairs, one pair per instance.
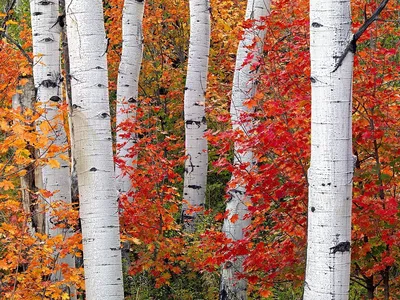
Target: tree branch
{"points": [[352, 45], [14, 42]]}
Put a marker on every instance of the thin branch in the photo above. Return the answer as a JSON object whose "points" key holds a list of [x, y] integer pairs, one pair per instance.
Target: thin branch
{"points": [[358, 282], [14, 42], [369, 21], [352, 45], [8, 10]]}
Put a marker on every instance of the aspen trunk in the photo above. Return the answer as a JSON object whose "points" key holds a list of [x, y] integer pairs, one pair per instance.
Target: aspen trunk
{"points": [[243, 89], [93, 150], [30, 202], [127, 97], [331, 168], [68, 93], [127, 90], [195, 178], [46, 32], [47, 79]]}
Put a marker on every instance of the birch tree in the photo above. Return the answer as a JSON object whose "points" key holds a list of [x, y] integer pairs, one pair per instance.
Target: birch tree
{"points": [[47, 79], [127, 90], [195, 177], [331, 169], [244, 87], [330, 175], [55, 176], [93, 149]]}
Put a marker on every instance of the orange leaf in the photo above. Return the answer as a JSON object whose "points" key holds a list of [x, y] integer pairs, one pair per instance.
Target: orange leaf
{"points": [[64, 157], [250, 103], [234, 218], [45, 193], [6, 185], [45, 127], [265, 293], [23, 81]]}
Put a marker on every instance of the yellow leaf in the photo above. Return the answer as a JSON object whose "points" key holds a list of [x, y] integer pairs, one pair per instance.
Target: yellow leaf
{"points": [[9, 168], [23, 152], [19, 91], [65, 296], [11, 22], [135, 241], [53, 163], [22, 173]]}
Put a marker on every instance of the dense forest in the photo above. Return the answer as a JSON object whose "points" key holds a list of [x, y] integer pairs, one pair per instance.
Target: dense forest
{"points": [[199, 149]]}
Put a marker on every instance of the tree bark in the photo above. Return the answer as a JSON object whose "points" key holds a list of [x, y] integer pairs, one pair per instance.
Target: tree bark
{"points": [[30, 201], [46, 30], [244, 88], [386, 283], [370, 287], [93, 150], [127, 90], [331, 169], [47, 78], [195, 176]]}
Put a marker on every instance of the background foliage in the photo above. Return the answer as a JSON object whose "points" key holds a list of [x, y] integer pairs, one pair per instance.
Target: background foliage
{"points": [[167, 263]]}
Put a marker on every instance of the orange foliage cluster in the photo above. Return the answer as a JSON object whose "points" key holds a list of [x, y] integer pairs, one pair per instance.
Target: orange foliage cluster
{"points": [[275, 241]]}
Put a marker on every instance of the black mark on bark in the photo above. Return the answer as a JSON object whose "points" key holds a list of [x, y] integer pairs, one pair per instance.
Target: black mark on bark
{"points": [[341, 247]]}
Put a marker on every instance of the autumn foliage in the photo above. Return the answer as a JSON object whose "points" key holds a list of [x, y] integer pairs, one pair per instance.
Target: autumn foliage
{"points": [[164, 260]]}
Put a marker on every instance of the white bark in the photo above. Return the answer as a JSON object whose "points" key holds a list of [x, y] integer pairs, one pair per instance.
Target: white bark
{"points": [[27, 98], [195, 177], [93, 150], [128, 83], [331, 169], [244, 87], [46, 72]]}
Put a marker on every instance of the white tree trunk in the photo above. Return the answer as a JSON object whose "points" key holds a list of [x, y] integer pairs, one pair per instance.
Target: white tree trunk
{"points": [[93, 150], [331, 169], [128, 84], [195, 178], [46, 73], [47, 78], [244, 87]]}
